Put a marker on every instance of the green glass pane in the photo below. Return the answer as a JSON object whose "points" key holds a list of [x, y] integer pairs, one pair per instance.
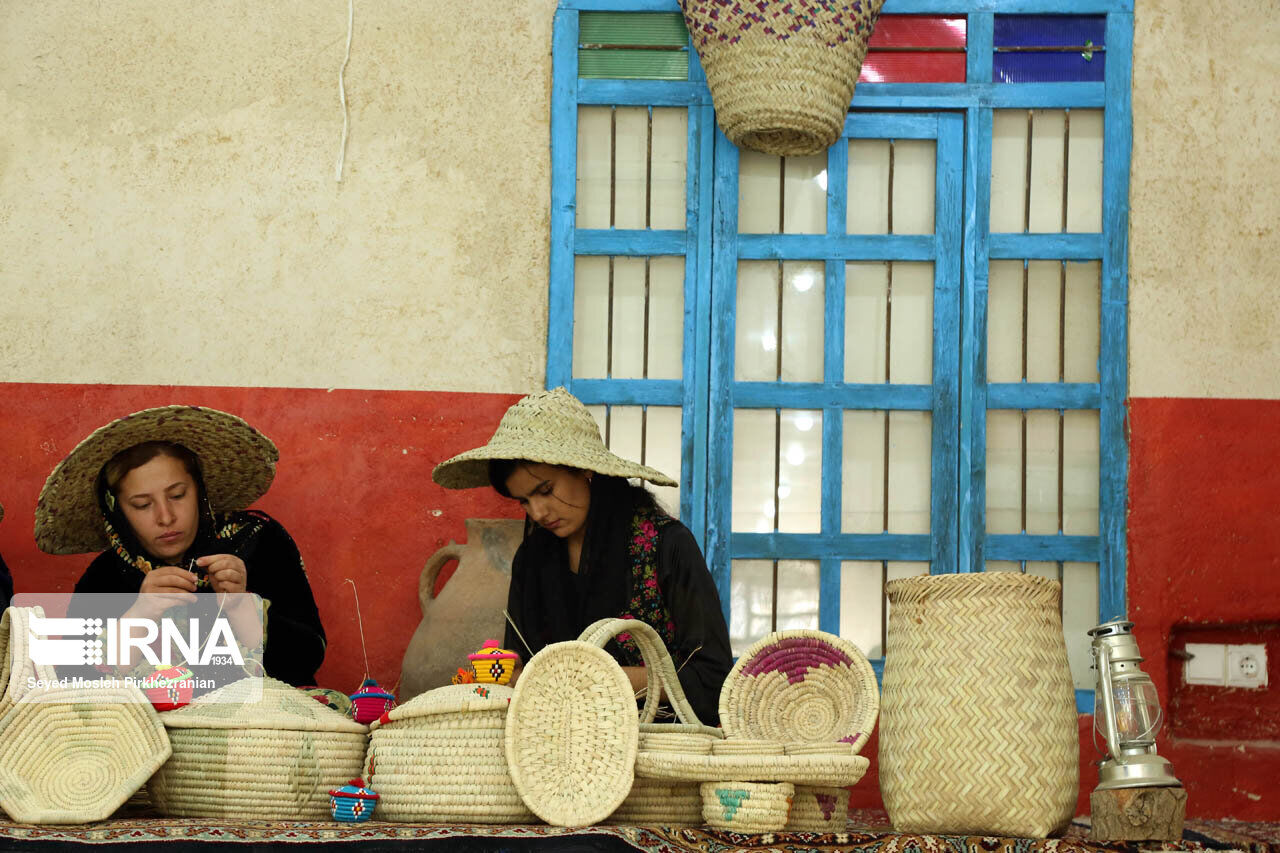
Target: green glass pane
{"points": [[648, 29], [634, 64]]}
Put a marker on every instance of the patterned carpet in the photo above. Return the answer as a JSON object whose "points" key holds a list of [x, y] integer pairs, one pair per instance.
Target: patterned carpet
{"points": [[868, 832]]}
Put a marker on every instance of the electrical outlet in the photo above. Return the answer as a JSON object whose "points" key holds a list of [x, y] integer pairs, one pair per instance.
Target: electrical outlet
{"points": [[1207, 665], [1247, 666]]}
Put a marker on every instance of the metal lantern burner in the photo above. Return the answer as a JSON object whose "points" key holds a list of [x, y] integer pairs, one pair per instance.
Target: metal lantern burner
{"points": [[1126, 712]]}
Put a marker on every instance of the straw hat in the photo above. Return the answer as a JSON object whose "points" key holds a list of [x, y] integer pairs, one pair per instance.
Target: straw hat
{"points": [[238, 465], [551, 427]]}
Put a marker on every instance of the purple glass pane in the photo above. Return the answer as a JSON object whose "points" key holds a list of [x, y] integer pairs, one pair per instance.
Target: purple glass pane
{"points": [[1049, 30], [1047, 67]]}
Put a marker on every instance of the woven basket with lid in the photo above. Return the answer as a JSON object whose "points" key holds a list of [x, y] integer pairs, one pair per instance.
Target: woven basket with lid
{"points": [[978, 732], [273, 756], [440, 757]]}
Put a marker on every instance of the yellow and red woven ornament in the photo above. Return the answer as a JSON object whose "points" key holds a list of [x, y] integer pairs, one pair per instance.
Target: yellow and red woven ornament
{"points": [[493, 665]]}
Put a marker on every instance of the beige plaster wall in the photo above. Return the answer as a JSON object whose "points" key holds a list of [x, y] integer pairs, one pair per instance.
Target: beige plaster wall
{"points": [[169, 214], [1205, 194]]}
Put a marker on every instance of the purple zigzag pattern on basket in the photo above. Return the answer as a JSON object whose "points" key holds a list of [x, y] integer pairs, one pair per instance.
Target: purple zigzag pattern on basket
{"points": [[826, 802], [727, 20], [794, 657]]}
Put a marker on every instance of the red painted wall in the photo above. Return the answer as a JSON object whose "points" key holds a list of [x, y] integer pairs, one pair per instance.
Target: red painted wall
{"points": [[353, 487], [1204, 566]]}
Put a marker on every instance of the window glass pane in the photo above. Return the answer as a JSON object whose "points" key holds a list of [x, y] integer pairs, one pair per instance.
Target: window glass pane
{"points": [[1084, 171], [1044, 570], [804, 209], [628, 317], [631, 160], [754, 457], [803, 309], [866, 301], [662, 438], [797, 594], [909, 471], [669, 167], [1079, 614], [1003, 566], [799, 472], [756, 322], [911, 341], [666, 318], [1004, 471], [625, 431], [1048, 48], [1048, 136], [1080, 475], [1008, 171], [861, 600], [1004, 321], [862, 482], [1042, 472], [1044, 286], [594, 166], [591, 317], [750, 602], [759, 192], [914, 168], [1083, 315], [868, 186]]}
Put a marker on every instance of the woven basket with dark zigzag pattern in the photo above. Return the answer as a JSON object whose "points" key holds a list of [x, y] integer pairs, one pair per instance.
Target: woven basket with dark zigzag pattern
{"points": [[978, 732]]}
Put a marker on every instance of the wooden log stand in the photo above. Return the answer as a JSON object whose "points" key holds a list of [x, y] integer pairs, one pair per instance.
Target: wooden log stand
{"points": [[1137, 814]]}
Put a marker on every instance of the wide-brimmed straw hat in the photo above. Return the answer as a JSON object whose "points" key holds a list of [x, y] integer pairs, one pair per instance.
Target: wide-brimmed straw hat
{"points": [[551, 427], [237, 461]]}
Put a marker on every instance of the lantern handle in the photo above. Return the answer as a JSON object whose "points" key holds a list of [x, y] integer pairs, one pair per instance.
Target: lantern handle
{"points": [[1109, 703]]}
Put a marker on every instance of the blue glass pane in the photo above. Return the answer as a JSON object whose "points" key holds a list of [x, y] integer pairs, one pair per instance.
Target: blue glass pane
{"points": [[1049, 30], [1048, 67]]}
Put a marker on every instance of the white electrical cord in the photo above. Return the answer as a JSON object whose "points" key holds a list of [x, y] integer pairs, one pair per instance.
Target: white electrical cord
{"points": [[342, 92]]}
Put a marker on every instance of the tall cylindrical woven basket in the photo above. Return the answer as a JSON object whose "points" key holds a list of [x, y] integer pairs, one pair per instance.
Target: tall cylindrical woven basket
{"points": [[781, 72], [978, 731]]}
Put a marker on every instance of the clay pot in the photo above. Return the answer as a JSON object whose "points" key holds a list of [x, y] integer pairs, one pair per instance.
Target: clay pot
{"points": [[468, 610]]}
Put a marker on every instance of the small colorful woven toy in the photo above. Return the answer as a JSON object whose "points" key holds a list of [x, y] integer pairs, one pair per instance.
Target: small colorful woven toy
{"points": [[493, 665], [370, 702], [353, 802], [169, 687]]}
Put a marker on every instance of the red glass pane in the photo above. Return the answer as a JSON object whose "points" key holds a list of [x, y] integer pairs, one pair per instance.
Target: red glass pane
{"points": [[912, 67], [906, 31]]}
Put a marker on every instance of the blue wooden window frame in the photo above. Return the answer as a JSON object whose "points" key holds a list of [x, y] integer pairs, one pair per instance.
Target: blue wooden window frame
{"points": [[702, 392]]}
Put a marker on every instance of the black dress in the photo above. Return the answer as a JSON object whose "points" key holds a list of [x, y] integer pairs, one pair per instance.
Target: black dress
{"points": [[550, 604], [6, 584], [295, 638]]}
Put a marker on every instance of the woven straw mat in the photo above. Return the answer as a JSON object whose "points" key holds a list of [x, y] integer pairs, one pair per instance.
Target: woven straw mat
{"points": [[571, 734], [781, 73], [75, 755], [238, 465], [441, 758], [273, 758], [978, 734], [746, 806], [801, 686]]}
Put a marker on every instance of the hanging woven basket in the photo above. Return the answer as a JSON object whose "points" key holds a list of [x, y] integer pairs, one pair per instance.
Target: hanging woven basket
{"points": [[781, 74], [978, 732]]}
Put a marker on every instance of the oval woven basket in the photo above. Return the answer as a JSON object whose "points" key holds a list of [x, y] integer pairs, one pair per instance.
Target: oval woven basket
{"points": [[16, 666], [441, 758], [75, 755], [978, 734], [801, 686], [272, 755], [781, 72], [747, 806]]}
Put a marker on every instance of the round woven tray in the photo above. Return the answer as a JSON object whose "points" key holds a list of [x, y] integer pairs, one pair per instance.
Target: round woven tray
{"points": [[835, 770], [272, 755], [75, 755], [801, 686], [746, 806], [571, 734], [441, 758]]}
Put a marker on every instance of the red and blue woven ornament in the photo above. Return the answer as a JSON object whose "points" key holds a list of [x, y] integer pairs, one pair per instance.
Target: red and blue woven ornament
{"points": [[781, 72], [801, 686], [353, 802], [370, 702], [169, 688]]}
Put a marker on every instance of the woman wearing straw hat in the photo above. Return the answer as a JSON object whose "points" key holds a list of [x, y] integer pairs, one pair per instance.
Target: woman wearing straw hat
{"points": [[162, 494], [596, 546], [6, 579]]}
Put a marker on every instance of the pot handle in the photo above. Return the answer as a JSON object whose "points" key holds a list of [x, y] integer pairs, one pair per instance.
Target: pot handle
{"points": [[427, 580], [659, 669]]}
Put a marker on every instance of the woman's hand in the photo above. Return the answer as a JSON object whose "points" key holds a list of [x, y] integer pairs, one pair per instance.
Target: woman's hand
{"points": [[165, 587], [226, 572]]}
